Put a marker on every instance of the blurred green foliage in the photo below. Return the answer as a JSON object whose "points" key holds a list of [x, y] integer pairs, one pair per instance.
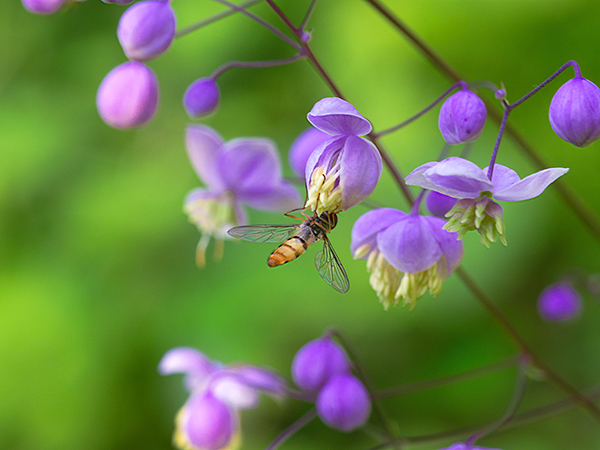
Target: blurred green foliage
{"points": [[97, 274]]}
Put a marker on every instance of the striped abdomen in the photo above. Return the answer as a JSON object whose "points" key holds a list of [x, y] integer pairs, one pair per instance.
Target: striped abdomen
{"points": [[293, 247]]}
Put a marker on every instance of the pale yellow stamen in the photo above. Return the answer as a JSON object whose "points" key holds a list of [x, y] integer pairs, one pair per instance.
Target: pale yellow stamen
{"points": [[322, 193]]}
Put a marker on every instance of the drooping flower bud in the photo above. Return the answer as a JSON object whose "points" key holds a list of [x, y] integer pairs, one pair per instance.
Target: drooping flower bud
{"points": [[147, 29], [303, 146], [201, 98], [575, 112], [42, 6], [439, 204], [462, 117], [317, 362], [128, 95], [344, 403], [559, 302]]}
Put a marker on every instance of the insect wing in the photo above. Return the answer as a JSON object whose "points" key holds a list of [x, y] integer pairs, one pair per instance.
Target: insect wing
{"points": [[330, 268], [263, 233]]}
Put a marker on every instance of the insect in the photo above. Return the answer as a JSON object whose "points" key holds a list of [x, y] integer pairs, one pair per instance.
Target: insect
{"points": [[298, 237]]}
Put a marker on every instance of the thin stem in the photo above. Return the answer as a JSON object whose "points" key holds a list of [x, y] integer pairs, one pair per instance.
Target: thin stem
{"points": [[283, 17], [379, 134], [468, 375], [254, 64], [215, 18], [293, 428], [262, 22], [309, 12], [497, 144], [417, 204]]}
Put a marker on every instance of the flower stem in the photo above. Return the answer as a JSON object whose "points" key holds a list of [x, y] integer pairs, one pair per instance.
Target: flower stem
{"points": [[254, 64], [293, 428], [497, 144]]}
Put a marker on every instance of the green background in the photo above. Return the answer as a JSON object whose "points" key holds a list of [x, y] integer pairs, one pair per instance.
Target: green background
{"points": [[97, 273]]}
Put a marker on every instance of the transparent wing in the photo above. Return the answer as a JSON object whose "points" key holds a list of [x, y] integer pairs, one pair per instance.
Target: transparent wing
{"points": [[330, 268], [263, 233]]}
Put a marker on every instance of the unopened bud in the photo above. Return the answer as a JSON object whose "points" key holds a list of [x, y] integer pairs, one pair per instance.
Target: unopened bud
{"points": [[201, 97], [462, 117], [344, 403]]}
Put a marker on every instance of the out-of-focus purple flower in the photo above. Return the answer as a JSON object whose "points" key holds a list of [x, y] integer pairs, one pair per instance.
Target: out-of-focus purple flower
{"points": [[439, 204], [118, 2], [475, 210], [344, 170], [461, 446], [344, 403], [147, 29], [318, 361], [241, 171], [575, 112], [209, 419], [303, 146], [201, 98], [559, 302], [407, 254], [43, 6], [462, 117], [128, 95]]}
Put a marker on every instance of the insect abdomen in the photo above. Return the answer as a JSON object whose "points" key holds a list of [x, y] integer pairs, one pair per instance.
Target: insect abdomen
{"points": [[288, 251]]}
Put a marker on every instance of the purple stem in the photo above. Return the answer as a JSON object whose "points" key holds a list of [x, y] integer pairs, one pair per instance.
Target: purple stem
{"points": [[497, 144], [255, 64], [293, 428]]}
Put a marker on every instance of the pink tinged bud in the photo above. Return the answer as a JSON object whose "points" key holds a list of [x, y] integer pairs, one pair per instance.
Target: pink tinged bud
{"points": [[207, 423], [439, 204], [42, 6], [317, 362], [128, 95], [344, 403], [575, 112], [146, 29], [559, 302], [201, 97], [462, 117]]}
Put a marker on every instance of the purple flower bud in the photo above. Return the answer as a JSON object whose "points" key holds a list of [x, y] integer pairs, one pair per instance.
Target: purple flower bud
{"points": [[344, 403], [128, 95], [205, 423], [146, 29], [462, 117], [303, 146], [559, 302], [318, 361], [575, 112], [201, 97], [439, 204], [42, 6]]}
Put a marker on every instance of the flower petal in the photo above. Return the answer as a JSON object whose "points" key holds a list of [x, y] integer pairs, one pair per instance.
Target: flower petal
{"points": [[303, 146], [203, 144], [360, 170], [194, 364], [366, 228], [283, 198], [452, 248], [409, 245], [338, 117], [324, 152], [531, 186], [263, 379], [249, 166], [503, 177]]}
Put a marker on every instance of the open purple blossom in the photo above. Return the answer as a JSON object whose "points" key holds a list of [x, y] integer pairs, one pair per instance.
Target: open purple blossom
{"points": [[201, 98], [559, 302], [241, 171], [344, 403], [475, 209], [147, 29], [128, 95], [43, 6], [209, 420], [575, 112], [302, 148], [344, 170], [462, 117], [407, 254]]}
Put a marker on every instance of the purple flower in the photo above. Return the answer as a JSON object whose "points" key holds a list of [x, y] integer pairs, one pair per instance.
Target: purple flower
{"points": [[439, 204], [42, 6], [201, 97], [241, 171], [575, 112], [559, 302], [345, 169], [209, 420], [344, 403], [462, 117], [128, 95], [461, 446], [475, 210], [147, 29], [303, 146], [407, 254], [317, 362]]}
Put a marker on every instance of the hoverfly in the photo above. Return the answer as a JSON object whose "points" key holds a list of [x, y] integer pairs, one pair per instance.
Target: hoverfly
{"points": [[297, 238]]}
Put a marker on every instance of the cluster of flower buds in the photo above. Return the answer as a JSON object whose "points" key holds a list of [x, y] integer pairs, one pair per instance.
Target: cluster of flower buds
{"points": [[322, 367], [209, 420], [241, 171]]}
